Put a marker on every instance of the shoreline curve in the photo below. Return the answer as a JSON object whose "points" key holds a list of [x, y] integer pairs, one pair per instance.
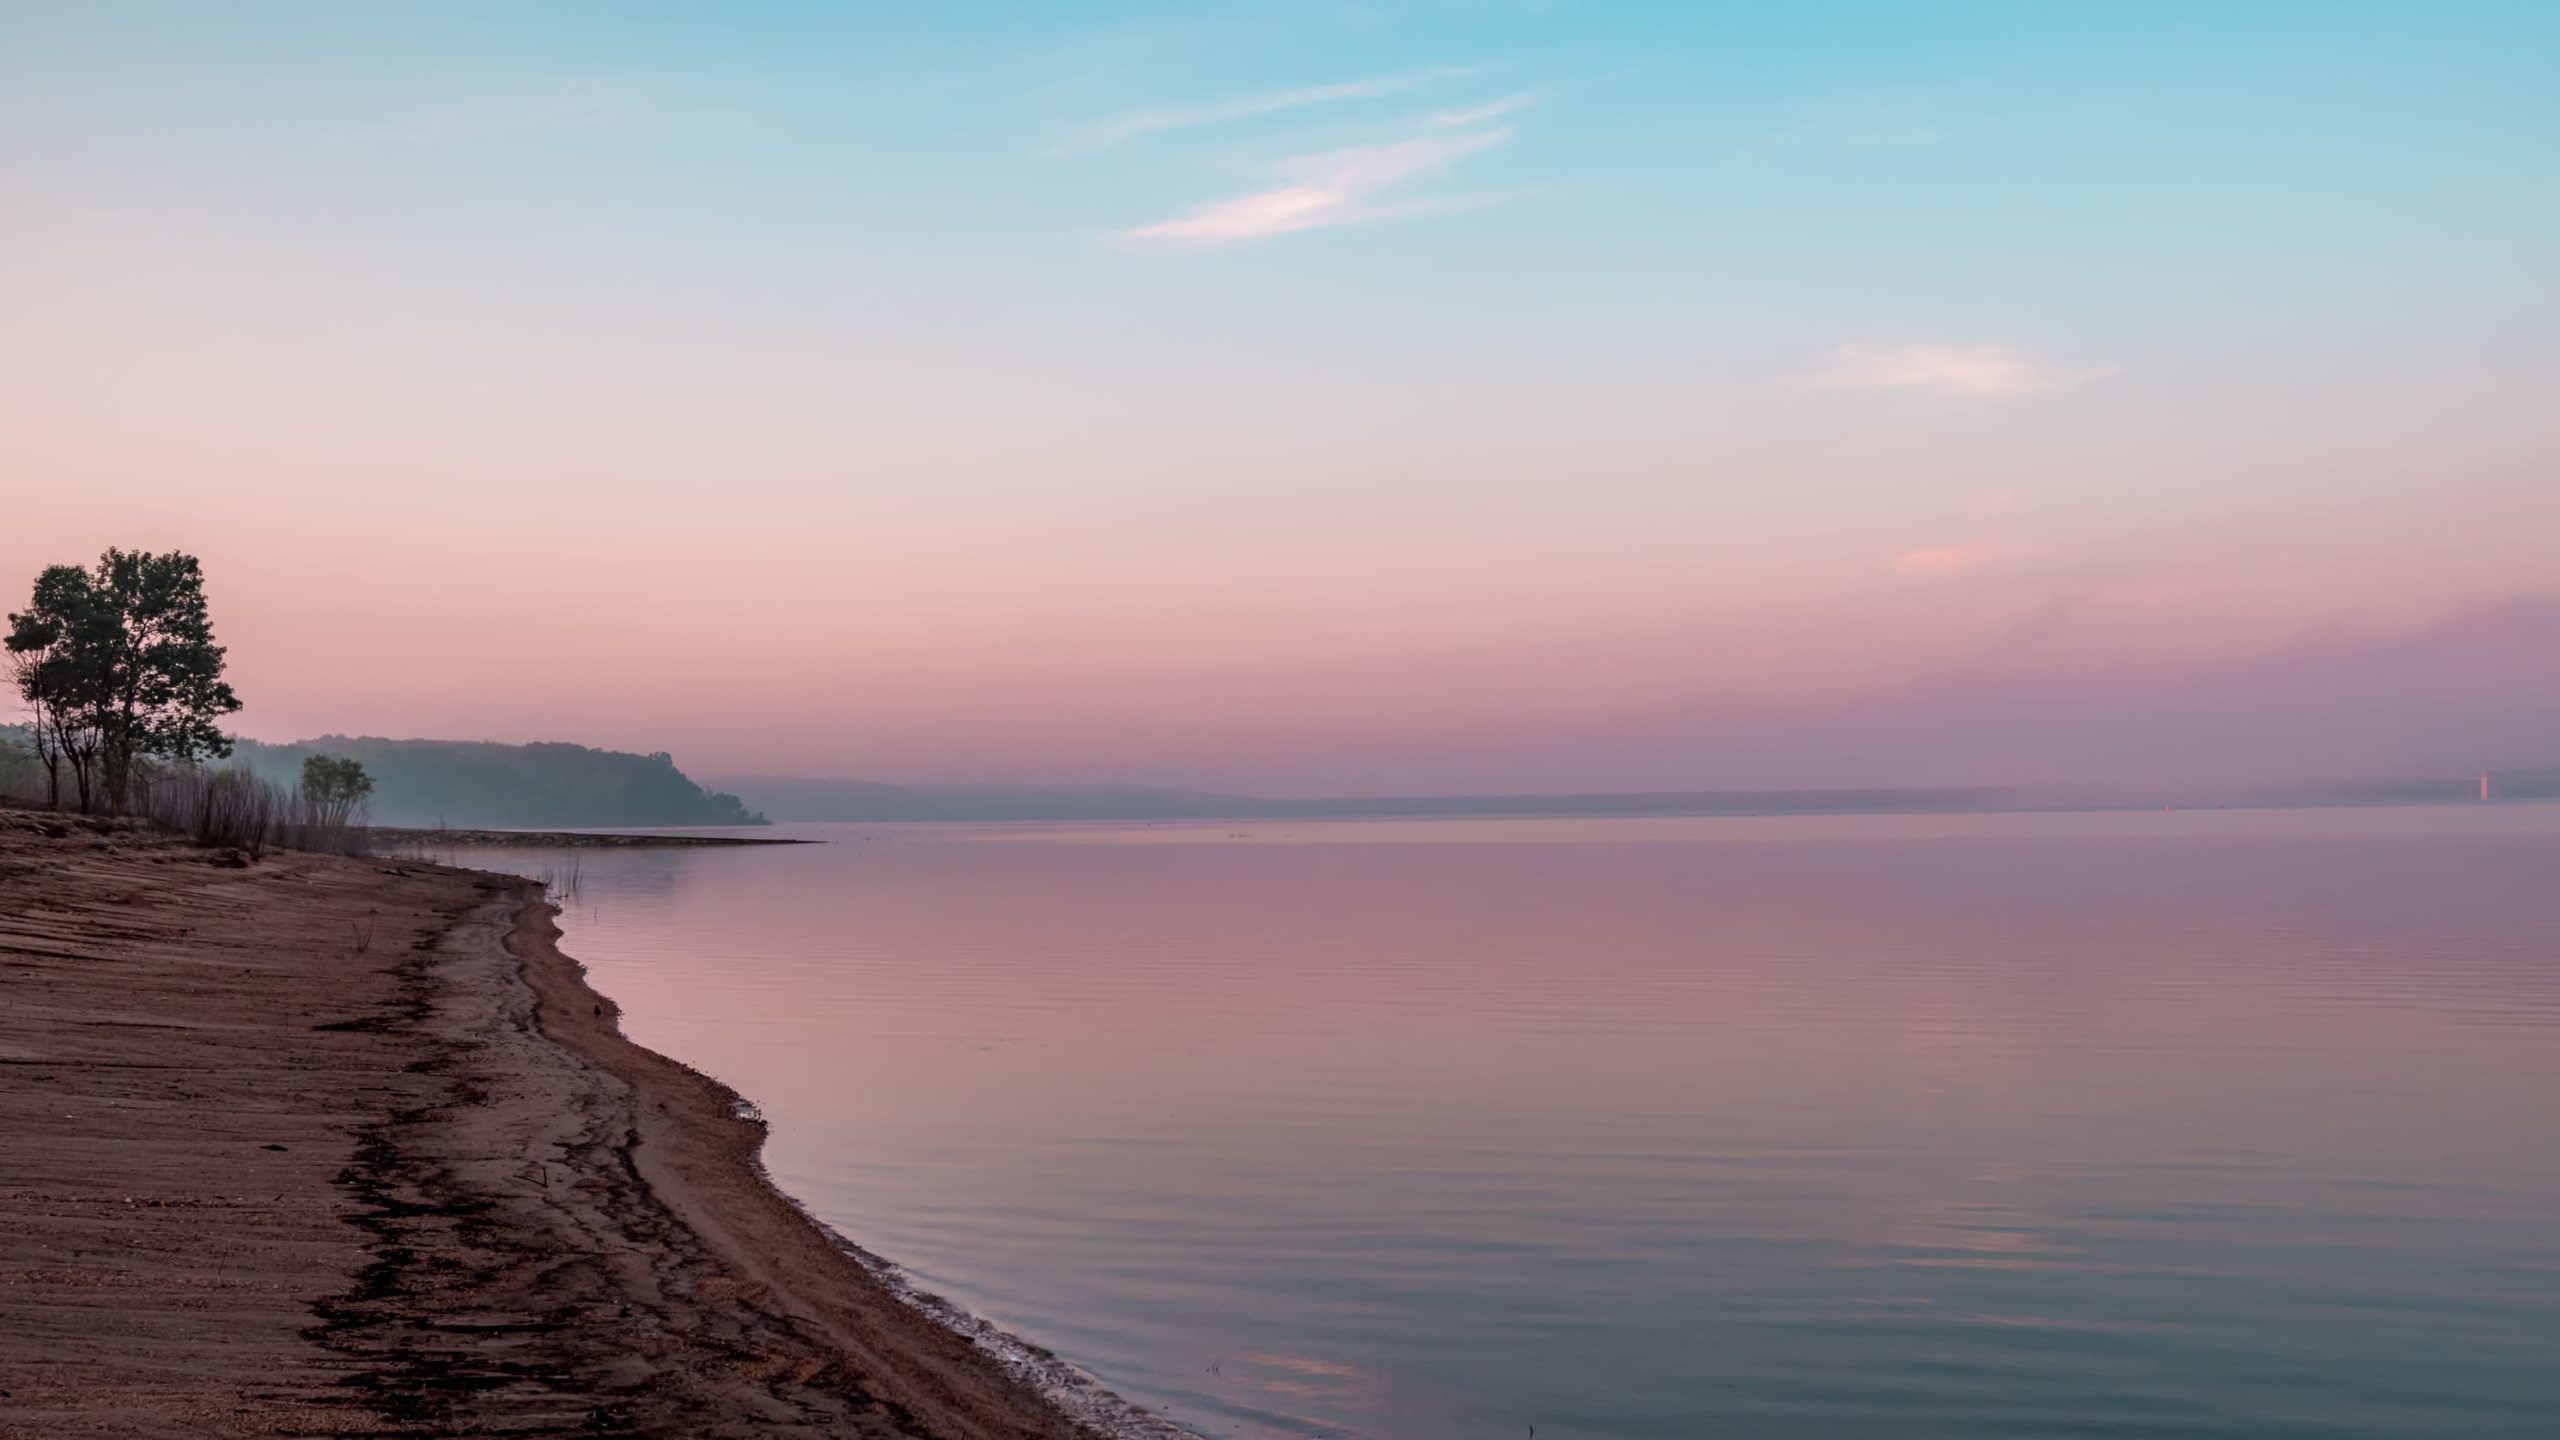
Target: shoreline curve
{"points": [[698, 1145], [320, 1145]]}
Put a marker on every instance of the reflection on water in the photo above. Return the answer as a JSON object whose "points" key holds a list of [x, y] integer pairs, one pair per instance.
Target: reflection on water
{"points": [[1914, 1126]]}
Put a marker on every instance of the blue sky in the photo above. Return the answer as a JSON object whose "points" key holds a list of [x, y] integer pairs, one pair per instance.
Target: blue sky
{"points": [[2064, 165]]}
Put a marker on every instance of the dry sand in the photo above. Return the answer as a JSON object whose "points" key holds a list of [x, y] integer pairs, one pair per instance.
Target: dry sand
{"points": [[320, 1146]]}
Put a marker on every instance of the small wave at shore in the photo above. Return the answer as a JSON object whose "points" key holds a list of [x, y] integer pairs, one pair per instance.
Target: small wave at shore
{"points": [[1076, 1394]]}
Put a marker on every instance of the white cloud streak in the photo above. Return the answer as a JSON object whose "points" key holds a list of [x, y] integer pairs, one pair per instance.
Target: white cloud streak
{"points": [[1961, 372], [1474, 115], [1350, 186], [1119, 130]]}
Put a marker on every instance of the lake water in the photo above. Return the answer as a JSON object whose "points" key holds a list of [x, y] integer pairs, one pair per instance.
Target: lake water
{"points": [[2218, 1124]]}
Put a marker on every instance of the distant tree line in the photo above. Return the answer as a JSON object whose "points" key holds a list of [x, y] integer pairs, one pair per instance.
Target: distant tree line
{"points": [[483, 783]]}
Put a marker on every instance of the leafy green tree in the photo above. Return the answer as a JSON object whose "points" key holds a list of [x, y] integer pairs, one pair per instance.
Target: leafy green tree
{"points": [[333, 788], [165, 688], [119, 663], [54, 656]]}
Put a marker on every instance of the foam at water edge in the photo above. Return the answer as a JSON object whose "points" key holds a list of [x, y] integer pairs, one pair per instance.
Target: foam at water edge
{"points": [[1078, 1395]]}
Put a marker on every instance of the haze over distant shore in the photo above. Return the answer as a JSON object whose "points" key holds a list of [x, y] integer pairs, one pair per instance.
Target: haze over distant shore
{"points": [[799, 799]]}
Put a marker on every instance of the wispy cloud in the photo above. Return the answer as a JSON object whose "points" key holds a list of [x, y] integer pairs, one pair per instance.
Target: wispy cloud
{"points": [[1965, 372], [1351, 186], [576, 105], [1947, 559], [1474, 115], [1120, 129]]}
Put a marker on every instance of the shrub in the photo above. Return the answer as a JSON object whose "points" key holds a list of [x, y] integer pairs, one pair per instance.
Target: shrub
{"points": [[232, 808]]}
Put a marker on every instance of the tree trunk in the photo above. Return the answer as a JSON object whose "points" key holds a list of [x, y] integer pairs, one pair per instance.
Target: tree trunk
{"points": [[49, 750], [80, 767]]}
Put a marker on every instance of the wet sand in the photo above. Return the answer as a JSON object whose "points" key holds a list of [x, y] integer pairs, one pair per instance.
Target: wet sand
{"points": [[322, 1146], [399, 839]]}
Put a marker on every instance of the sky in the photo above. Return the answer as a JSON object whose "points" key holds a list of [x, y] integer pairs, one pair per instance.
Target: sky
{"points": [[1317, 399]]}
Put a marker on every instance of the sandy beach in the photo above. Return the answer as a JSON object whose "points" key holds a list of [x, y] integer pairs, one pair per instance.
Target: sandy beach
{"points": [[328, 1146]]}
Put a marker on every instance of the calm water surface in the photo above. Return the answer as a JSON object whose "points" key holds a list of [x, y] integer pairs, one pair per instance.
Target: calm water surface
{"points": [[2240, 1124]]}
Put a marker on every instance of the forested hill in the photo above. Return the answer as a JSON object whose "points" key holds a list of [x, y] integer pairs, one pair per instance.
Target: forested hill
{"points": [[480, 783]]}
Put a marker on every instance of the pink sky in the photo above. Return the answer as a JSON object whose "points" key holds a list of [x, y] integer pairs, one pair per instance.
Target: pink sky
{"points": [[1363, 431], [932, 554]]}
